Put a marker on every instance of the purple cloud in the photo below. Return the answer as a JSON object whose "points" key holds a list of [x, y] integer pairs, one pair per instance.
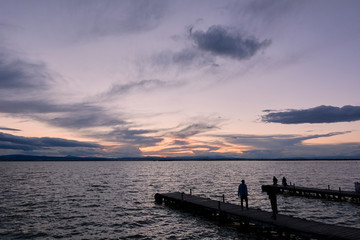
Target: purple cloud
{"points": [[320, 114]]}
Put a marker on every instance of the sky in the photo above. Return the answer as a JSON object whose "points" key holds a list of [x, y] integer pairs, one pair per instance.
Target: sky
{"points": [[246, 79]]}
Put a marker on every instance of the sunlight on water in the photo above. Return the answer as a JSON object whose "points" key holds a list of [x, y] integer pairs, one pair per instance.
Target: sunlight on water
{"points": [[113, 200]]}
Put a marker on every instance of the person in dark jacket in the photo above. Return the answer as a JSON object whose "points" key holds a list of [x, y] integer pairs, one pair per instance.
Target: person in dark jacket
{"points": [[243, 194]]}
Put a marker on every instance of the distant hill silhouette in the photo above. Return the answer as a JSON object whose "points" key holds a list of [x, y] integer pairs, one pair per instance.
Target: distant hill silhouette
{"points": [[186, 158]]}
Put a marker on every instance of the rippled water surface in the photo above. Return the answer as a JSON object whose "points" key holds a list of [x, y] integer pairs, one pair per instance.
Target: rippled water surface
{"points": [[115, 200]]}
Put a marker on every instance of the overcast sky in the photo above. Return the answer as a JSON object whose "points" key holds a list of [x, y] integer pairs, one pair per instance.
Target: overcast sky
{"points": [[249, 79]]}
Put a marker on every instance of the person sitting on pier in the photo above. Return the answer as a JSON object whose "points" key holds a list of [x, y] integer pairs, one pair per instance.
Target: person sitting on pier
{"points": [[275, 181], [284, 183], [243, 194]]}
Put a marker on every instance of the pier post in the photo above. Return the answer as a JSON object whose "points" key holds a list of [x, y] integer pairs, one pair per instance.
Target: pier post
{"points": [[340, 194], [223, 197], [273, 201], [190, 191]]}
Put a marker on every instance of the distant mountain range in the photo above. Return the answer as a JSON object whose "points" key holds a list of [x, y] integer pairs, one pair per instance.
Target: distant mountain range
{"points": [[187, 158]]}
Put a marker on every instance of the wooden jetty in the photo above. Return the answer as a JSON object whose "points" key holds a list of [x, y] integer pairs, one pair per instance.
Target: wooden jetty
{"points": [[257, 217], [315, 192]]}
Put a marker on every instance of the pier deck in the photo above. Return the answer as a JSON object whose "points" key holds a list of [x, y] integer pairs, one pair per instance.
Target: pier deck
{"points": [[259, 217], [315, 192]]}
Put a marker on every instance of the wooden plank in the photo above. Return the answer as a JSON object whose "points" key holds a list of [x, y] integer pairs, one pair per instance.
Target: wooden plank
{"points": [[258, 216]]}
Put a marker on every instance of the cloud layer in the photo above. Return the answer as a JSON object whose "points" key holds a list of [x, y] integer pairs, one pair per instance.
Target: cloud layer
{"points": [[157, 77], [320, 114]]}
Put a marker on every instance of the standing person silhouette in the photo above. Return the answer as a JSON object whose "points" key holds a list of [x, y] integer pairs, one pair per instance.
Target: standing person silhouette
{"points": [[243, 194]]}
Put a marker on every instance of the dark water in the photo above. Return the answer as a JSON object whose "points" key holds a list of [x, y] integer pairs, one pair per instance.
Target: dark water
{"points": [[115, 200]]}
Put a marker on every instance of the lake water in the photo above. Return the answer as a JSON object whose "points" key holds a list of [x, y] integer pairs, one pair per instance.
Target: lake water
{"points": [[115, 200]]}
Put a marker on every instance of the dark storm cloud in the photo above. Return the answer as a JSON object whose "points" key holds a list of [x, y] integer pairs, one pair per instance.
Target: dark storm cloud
{"points": [[9, 129], [223, 41], [9, 141], [320, 114], [193, 129]]}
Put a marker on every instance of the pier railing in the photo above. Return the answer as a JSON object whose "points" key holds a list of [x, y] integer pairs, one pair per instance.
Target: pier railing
{"points": [[328, 193]]}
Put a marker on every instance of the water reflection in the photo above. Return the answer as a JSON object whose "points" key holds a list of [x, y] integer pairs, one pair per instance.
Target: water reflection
{"points": [[115, 199]]}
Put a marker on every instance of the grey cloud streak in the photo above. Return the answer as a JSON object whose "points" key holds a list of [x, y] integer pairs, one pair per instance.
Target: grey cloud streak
{"points": [[9, 129], [187, 57], [76, 115], [33, 106], [291, 146], [144, 85], [11, 144], [223, 41], [9, 141], [83, 115], [269, 142], [136, 137], [320, 114], [191, 150], [327, 151], [194, 129]]}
